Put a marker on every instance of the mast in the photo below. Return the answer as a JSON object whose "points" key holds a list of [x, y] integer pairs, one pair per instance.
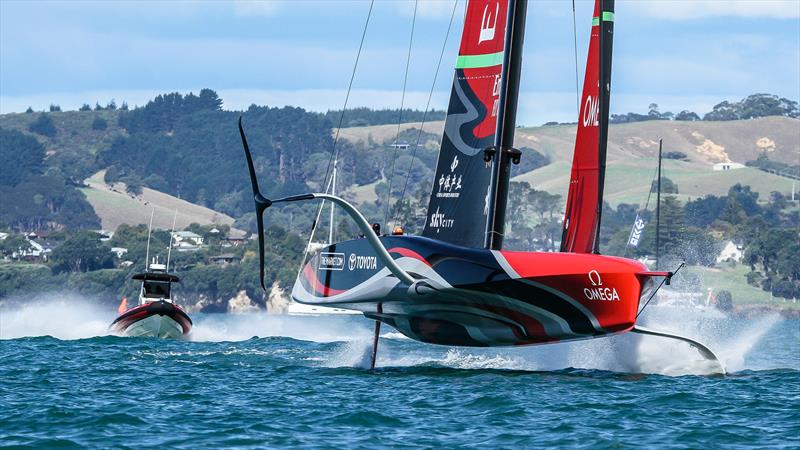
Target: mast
{"points": [[503, 151], [333, 207], [605, 40], [149, 232], [658, 205]]}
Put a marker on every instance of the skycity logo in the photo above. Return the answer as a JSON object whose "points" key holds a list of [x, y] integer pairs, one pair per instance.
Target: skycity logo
{"points": [[598, 291], [438, 221]]}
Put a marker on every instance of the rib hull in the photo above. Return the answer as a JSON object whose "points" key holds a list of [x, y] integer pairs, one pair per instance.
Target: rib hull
{"points": [[157, 319]]}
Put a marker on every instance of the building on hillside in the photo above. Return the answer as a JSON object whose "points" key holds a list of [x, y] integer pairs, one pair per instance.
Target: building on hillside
{"points": [[232, 241], [182, 239], [730, 252], [3, 236], [119, 251], [725, 166], [224, 259], [34, 252], [105, 235]]}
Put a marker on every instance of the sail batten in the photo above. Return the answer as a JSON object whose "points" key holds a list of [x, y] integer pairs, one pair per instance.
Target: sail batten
{"points": [[581, 227]]}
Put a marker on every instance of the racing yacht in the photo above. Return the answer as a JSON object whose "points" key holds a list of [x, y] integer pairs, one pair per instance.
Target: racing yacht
{"points": [[455, 284]]}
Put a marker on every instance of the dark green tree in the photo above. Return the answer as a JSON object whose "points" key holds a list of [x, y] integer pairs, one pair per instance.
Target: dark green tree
{"points": [[22, 157], [81, 252], [667, 186], [99, 124], [43, 125]]}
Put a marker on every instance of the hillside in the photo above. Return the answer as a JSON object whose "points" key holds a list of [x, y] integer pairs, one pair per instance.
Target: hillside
{"points": [[184, 152], [114, 207], [633, 148]]}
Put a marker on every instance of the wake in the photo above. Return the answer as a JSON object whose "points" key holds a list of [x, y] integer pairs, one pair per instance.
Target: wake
{"points": [[62, 316], [734, 340], [70, 317]]}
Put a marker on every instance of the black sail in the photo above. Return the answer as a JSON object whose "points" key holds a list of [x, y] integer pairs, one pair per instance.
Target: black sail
{"points": [[460, 199]]}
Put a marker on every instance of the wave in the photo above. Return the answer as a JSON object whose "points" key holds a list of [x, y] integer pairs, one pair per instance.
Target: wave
{"points": [[741, 344], [735, 341]]}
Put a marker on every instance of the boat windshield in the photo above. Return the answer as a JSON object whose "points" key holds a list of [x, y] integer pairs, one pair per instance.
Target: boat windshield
{"points": [[156, 289]]}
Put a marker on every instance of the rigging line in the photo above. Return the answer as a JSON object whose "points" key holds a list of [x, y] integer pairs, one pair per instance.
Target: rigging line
{"points": [[334, 149], [428, 104], [400, 117], [575, 41], [650, 189]]}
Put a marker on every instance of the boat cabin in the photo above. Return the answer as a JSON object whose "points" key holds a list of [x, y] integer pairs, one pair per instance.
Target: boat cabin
{"points": [[156, 284]]}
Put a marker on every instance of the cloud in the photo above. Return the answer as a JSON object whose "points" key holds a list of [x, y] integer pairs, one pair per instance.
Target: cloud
{"points": [[256, 7], [702, 9]]}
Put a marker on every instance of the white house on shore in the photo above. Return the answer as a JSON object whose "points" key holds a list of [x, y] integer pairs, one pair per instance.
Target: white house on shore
{"points": [[186, 239], [730, 252], [725, 166]]}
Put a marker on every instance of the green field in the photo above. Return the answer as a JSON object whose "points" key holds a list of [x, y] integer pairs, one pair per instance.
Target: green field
{"points": [[628, 182], [732, 279]]}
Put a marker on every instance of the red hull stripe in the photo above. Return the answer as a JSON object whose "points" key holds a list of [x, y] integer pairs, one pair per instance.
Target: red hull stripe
{"points": [[409, 253], [318, 286]]}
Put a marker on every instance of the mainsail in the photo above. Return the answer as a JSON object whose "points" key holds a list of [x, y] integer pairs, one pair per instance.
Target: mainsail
{"points": [[459, 202], [581, 229]]}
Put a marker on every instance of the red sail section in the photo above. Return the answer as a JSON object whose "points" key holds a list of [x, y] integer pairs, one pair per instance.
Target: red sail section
{"points": [[582, 216], [458, 203]]}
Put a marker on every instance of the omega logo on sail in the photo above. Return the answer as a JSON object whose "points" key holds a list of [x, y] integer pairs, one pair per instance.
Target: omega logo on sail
{"points": [[591, 112], [598, 291]]}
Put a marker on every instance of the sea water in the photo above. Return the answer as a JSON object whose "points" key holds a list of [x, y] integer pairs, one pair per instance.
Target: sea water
{"points": [[276, 381]]}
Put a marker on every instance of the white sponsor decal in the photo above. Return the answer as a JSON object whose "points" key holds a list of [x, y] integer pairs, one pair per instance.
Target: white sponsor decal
{"points": [[598, 291], [636, 232], [356, 262], [450, 184], [591, 112], [486, 200], [438, 221], [488, 26], [454, 164], [331, 261], [496, 95]]}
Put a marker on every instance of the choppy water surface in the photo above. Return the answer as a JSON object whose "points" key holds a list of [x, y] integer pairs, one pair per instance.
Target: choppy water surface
{"points": [[258, 380]]}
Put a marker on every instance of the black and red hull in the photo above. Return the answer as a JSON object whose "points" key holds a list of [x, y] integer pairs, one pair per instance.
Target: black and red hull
{"points": [[476, 297], [160, 319]]}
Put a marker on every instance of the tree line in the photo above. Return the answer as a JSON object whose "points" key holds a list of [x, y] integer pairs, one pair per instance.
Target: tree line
{"points": [[750, 107]]}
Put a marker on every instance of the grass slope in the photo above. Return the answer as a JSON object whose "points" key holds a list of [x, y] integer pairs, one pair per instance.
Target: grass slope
{"points": [[633, 149], [114, 207]]}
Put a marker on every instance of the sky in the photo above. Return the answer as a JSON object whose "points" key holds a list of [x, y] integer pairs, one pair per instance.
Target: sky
{"points": [[680, 54]]}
